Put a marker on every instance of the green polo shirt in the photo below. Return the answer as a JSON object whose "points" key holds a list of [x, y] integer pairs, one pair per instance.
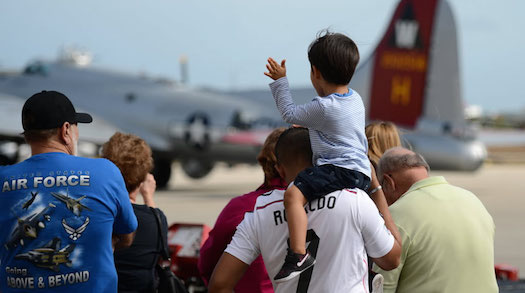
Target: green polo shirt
{"points": [[448, 241]]}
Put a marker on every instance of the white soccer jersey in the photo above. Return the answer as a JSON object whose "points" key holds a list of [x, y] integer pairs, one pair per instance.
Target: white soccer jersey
{"points": [[342, 227]]}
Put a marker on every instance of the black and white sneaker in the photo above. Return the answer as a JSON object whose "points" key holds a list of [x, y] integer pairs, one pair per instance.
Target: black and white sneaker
{"points": [[294, 265]]}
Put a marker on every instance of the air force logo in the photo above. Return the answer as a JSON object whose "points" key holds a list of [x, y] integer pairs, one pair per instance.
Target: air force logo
{"points": [[74, 234]]}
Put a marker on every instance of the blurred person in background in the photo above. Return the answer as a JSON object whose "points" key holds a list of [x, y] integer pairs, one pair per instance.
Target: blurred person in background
{"points": [[381, 136]]}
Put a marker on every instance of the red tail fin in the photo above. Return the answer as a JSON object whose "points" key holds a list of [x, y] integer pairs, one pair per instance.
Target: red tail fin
{"points": [[401, 63]]}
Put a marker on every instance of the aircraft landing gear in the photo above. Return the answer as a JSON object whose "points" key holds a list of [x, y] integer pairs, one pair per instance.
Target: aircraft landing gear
{"points": [[196, 168], [162, 172]]}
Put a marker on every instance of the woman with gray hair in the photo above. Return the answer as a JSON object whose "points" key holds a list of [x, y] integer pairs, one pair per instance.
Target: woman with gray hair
{"points": [[136, 264]]}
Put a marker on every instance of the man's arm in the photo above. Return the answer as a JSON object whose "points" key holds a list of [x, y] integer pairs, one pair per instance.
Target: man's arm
{"points": [[227, 273], [125, 222], [391, 277], [122, 240], [391, 260]]}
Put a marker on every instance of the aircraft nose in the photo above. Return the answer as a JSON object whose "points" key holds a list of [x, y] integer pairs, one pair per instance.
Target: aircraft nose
{"points": [[478, 154]]}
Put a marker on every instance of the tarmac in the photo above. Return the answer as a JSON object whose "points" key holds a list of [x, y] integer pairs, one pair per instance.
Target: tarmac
{"points": [[501, 188]]}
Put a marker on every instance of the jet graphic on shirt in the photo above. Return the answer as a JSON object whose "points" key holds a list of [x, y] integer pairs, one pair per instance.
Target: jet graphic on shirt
{"points": [[27, 228], [72, 204], [28, 203], [50, 256]]}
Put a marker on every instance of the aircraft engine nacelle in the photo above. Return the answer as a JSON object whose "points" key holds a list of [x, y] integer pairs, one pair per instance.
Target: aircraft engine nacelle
{"points": [[445, 152], [8, 152]]}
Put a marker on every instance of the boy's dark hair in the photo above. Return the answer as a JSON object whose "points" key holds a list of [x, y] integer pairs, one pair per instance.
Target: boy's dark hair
{"points": [[335, 56], [293, 146]]}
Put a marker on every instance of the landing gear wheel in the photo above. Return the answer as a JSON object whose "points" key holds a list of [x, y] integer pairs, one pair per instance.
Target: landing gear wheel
{"points": [[162, 173], [195, 168]]}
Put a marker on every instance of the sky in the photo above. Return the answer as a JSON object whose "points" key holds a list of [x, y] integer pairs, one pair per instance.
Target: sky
{"points": [[227, 42]]}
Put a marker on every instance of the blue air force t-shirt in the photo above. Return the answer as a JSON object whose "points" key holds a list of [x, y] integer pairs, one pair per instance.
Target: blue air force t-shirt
{"points": [[57, 215]]}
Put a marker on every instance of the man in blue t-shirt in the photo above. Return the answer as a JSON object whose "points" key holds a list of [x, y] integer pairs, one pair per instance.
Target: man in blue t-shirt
{"points": [[58, 212]]}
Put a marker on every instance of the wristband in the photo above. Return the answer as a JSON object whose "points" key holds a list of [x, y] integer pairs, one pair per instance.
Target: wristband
{"points": [[375, 190]]}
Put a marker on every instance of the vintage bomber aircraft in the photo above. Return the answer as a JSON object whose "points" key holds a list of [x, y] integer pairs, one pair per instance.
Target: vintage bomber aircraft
{"points": [[189, 125], [412, 79]]}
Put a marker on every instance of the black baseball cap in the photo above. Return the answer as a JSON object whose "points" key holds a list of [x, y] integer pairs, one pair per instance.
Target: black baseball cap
{"points": [[50, 109]]}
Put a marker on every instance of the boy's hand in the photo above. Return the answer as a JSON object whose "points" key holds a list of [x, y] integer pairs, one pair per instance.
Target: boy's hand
{"points": [[275, 71]]}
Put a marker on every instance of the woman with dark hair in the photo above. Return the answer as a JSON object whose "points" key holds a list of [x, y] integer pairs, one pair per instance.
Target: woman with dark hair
{"points": [[136, 264], [256, 278]]}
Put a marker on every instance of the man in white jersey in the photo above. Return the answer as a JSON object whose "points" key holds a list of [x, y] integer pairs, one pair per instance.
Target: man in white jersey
{"points": [[343, 227]]}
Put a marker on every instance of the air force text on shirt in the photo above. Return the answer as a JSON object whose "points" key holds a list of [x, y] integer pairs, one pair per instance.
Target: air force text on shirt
{"points": [[54, 179]]}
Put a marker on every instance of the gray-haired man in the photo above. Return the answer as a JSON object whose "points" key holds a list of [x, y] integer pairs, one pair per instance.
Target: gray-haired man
{"points": [[447, 234]]}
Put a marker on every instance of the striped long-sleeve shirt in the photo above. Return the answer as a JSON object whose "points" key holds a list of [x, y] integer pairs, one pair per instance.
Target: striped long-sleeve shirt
{"points": [[336, 124]]}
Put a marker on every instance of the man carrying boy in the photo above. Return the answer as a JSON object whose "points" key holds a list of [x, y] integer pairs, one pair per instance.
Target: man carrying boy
{"points": [[336, 122], [343, 227]]}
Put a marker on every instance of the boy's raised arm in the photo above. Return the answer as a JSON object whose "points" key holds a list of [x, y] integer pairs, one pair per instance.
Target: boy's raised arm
{"points": [[275, 70]]}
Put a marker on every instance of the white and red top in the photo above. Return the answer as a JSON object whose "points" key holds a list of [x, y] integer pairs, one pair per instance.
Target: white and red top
{"points": [[343, 227]]}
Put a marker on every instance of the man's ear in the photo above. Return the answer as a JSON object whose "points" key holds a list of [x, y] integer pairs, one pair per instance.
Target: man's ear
{"points": [[65, 133], [280, 170], [387, 178]]}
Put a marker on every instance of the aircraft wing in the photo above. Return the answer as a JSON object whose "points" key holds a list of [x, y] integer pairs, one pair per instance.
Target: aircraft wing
{"points": [[59, 196], [99, 131], [16, 235], [54, 244], [68, 249], [35, 218], [84, 207], [91, 135]]}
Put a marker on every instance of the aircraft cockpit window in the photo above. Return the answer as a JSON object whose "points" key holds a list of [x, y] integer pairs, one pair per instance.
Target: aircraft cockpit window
{"points": [[36, 69]]}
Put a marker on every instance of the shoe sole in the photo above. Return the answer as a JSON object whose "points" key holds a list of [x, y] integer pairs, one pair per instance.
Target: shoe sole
{"points": [[293, 275]]}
